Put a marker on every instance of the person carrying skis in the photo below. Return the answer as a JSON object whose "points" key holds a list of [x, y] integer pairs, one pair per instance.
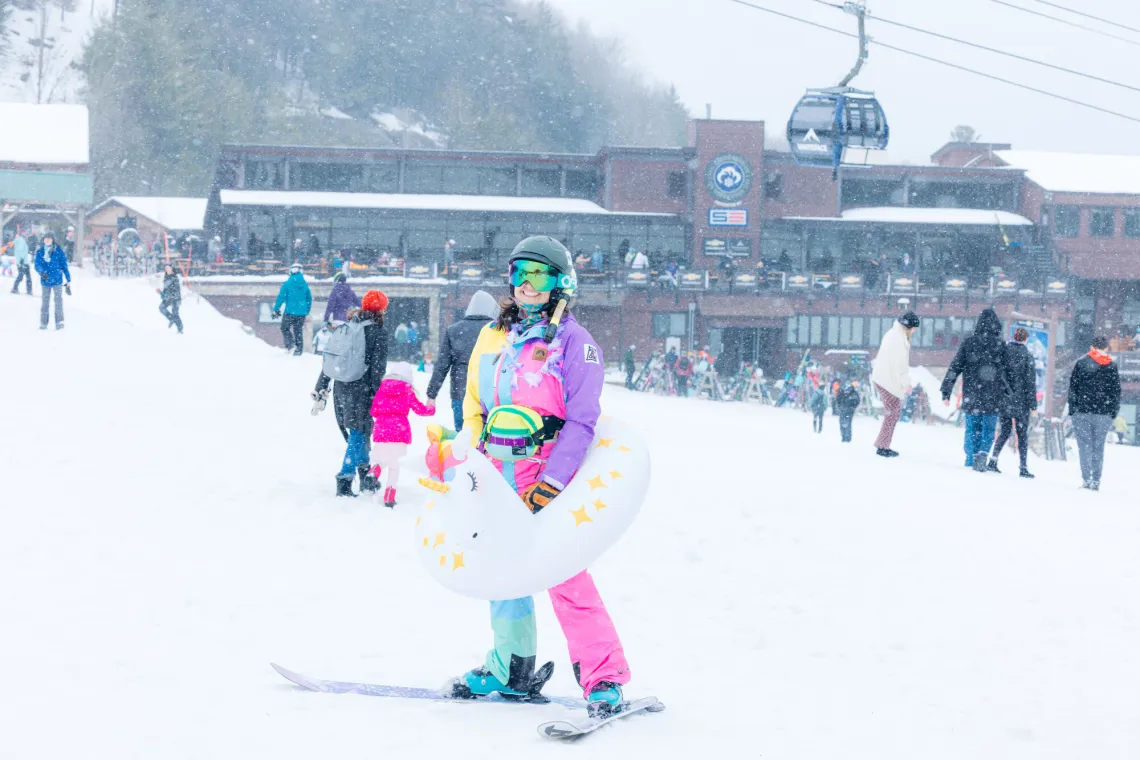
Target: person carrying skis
{"points": [[55, 277], [171, 292], [818, 408], [891, 376], [341, 299], [512, 365], [846, 402], [23, 263], [1021, 402], [455, 349], [630, 367], [391, 432], [981, 361], [352, 401], [297, 300]]}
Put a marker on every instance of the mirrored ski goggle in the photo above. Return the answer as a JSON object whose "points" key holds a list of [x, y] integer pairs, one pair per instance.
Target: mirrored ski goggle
{"points": [[542, 277]]}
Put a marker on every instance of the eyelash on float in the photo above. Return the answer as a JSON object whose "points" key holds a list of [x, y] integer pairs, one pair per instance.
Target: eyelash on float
{"points": [[474, 481]]}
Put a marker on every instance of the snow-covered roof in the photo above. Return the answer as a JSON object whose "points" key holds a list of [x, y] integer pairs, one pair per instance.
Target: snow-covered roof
{"points": [[168, 213], [44, 133], [1077, 172], [416, 202], [914, 215]]}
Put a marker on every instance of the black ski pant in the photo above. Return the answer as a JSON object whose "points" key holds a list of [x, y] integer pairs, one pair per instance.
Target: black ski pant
{"points": [[170, 311], [24, 272], [817, 421], [629, 379], [1007, 425], [682, 385], [293, 329], [845, 419]]}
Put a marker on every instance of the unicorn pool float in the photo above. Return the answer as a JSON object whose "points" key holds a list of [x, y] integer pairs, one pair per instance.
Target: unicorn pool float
{"points": [[476, 537]]}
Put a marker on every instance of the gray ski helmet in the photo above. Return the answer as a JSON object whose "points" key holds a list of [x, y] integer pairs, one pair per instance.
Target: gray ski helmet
{"points": [[547, 250]]}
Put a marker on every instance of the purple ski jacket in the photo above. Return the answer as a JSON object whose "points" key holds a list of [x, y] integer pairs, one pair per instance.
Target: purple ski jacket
{"points": [[341, 299]]}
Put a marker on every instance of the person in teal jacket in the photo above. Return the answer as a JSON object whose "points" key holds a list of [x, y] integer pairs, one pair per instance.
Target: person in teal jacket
{"points": [[297, 300], [23, 263]]}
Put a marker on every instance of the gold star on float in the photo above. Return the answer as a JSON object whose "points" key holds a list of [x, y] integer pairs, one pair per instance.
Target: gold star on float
{"points": [[599, 505], [429, 505], [439, 539], [580, 516], [425, 542], [604, 443], [443, 560], [624, 449], [419, 520], [596, 483], [457, 561], [615, 475]]}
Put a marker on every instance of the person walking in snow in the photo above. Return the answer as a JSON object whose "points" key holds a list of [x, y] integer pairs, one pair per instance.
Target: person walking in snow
{"points": [[683, 370], [981, 361], [560, 384], [352, 401], [391, 433], [1094, 402], [23, 263], [818, 408], [455, 349], [171, 292], [846, 402], [55, 277], [891, 376], [1020, 403], [341, 299], [630, 367], [297, 301]]}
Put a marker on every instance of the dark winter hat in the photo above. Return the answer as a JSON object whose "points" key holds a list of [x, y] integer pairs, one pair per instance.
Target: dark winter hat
{"points": [[339, 277], [909, 320], [1100, 343]]}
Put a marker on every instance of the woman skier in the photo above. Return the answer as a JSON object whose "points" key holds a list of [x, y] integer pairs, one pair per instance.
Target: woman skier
{"points": [[536, 357]]}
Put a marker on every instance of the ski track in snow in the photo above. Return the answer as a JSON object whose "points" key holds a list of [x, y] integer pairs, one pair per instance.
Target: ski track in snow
{"points": [[167, 527]]}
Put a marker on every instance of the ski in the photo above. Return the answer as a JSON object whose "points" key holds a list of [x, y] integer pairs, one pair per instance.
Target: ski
{"points": [[412, 692], [565, 729]]}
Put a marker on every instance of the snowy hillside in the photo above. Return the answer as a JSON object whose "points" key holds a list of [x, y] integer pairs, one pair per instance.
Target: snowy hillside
{"points": [[65, 34], [167, 528]]}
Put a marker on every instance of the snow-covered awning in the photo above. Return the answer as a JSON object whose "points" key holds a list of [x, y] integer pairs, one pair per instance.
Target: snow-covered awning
{"points": [[913, 215], [48, 134], [170, 213], [415, 202], [1077, 172]]}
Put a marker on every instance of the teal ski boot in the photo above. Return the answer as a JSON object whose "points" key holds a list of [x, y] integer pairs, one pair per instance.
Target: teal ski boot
{"points": [[604, 700], [480, 682]]}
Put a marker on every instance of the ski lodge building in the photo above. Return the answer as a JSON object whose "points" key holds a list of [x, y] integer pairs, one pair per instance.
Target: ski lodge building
{"points": [[773, 258]]}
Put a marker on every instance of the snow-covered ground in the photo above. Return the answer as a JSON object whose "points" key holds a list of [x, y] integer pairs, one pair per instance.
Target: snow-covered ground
{"points": [[167, 527]]}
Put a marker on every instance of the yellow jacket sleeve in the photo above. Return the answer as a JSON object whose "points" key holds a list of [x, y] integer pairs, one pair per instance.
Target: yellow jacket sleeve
{"points": [[487, 348]]}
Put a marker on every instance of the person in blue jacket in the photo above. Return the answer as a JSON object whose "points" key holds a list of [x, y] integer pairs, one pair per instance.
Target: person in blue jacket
{"points": [[297, 300], [51, 266]]}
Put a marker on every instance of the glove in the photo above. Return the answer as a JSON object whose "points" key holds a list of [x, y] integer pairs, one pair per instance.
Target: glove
{"points": [[67, 288], [539, 496], [276, 315], [945, 398]]}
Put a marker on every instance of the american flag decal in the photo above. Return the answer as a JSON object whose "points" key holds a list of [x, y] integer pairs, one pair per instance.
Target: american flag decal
{"points": [[728, 217]]}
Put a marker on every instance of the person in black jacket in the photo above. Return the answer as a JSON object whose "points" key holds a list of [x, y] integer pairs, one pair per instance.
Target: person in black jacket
{"points": [[981, 361], [1094, 402], [455, 349], [171, 293], [846, 402], [630, 367], [352, 402], [1020, 403]]}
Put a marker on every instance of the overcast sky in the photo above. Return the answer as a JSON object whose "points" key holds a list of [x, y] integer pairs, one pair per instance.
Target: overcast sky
{"points": [[753, 65]]}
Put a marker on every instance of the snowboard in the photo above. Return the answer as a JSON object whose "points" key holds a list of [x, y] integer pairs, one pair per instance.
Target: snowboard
{"points": [[411, 692], [566, 729]]}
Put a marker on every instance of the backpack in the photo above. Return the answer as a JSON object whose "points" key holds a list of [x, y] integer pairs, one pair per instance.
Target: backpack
{"points": [[345, 356]]}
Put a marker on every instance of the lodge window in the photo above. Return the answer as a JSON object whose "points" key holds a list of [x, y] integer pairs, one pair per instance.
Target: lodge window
{"points": [[582, 184], [1102, 223], [1067, 221], [1132, 223], [676, 184], [542, 183], [264, 175], [337, 178], [670, 325], [855, 331]]}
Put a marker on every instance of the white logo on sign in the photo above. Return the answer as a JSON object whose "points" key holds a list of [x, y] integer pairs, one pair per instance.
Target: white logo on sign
{"points": [[811, 137], [592, 355]]}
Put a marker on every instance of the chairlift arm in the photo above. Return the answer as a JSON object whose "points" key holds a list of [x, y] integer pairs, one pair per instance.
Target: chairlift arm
{"points": [[860, 12]]}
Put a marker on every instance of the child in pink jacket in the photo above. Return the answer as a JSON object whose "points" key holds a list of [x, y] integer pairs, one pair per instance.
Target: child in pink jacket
{"points": [[391, 432]]}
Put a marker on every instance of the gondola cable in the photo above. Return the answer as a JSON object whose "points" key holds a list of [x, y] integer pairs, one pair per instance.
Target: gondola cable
{"points": [[1067, 22], [1087, 15]]}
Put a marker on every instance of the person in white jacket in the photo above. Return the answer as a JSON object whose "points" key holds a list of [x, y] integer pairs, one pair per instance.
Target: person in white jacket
{"points": [[891, 375]]}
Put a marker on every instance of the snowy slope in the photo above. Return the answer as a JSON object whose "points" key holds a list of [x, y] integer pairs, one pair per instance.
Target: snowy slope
{"points": [[167, 528]]}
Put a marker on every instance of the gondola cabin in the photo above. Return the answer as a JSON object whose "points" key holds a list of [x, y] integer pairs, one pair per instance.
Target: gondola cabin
{"points": [[826, 122]]}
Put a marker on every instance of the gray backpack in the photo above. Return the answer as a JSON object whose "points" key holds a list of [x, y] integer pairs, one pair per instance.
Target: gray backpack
{"points": [[346, 352]]}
